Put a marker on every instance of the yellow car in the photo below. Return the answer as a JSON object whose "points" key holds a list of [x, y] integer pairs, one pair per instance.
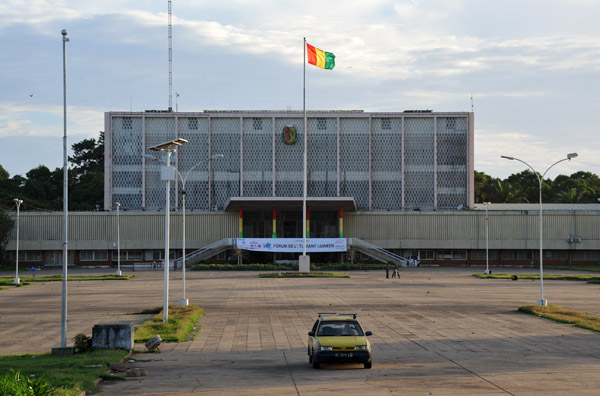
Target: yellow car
{"points": [[338, 338]]}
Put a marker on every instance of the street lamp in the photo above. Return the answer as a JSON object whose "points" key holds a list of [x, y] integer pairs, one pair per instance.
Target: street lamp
{"points": [[184, 302], [542, 301], [63, 333], [119, 273], [487, 233], [18, 202], [167, 174]]}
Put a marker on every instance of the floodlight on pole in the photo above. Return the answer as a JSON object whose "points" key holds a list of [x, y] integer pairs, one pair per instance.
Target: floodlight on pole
{"points": [[18, 202], [167, 174], [542, 301]]}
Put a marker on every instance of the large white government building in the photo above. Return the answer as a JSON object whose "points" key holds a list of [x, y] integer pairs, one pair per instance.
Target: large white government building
{"points": [[383, 161], [399, 182]]}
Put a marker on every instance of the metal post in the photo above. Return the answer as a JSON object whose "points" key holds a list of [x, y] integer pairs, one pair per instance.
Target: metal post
{"points": [[63, 333], [184, 302], [167, 215], [487, 229], [119, 273], [17, 280], [304, 261]]}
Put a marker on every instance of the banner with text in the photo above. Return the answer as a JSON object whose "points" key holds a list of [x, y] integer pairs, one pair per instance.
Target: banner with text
{"points": [[292, 244]]}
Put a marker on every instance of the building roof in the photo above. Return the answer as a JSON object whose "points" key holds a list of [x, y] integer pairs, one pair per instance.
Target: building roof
{"points": [[546, 207], [290, 203]]}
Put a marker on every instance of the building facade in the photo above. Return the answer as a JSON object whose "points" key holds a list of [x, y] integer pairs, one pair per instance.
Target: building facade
{"points": [[384, 161]]}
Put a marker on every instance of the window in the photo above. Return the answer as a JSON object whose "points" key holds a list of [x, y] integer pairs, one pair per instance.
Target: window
{"points": [[426, 254], [126, 123], [452, 254], [158, 254], [321, 124], [93, 255], [444, 255], [130, 255], [451, 123], [193, 123], [480, 254], [30, 255], [386, 124], [517, 255], [459, 255], [257, 124]]}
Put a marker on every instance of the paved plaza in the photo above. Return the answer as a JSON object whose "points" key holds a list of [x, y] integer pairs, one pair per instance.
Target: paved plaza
{"points": [[436, 331]]}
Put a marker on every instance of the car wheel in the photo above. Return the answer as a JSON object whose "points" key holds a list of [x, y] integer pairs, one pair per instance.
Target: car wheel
{"points": [[315, 363], [310, 358], [368, 365]]}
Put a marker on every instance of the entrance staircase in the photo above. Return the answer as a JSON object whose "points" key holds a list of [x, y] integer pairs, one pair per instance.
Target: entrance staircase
{"points": [[358, 245]]}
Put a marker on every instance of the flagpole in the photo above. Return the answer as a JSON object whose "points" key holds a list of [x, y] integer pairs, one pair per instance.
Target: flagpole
{"points": [[305, 144]]}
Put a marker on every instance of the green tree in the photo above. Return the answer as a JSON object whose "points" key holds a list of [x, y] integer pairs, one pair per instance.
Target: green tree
{"points": [[86, 186], [4, 175], [6, 225]]}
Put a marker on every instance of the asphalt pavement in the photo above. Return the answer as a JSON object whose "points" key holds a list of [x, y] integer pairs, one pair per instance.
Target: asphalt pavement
{"points": [[436, 331]]}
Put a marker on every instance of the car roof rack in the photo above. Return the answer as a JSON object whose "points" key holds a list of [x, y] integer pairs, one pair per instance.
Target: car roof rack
{"points": [[322, 314]]}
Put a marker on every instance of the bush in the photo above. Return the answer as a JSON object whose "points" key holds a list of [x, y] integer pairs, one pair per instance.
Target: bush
{"points": [[83, 343], [14, 385]]}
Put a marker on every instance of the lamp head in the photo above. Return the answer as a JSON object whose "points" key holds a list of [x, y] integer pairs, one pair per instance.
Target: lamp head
{"points": [[117, 204], [571, 155], [507, 157], [217, 156]]}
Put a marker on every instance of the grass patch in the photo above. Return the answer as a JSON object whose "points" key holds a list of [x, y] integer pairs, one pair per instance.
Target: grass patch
{"points": [[563, 315], [69, 375], [303, 275], [179, 327], [28, 280], [584, 278], [573, 268]]}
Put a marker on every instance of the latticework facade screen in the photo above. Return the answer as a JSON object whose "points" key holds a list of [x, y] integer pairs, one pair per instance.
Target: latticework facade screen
{"points": [[391, 161]]}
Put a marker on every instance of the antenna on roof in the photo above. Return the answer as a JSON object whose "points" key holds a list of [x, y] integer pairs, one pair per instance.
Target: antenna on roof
{"points": [[170, 61], [471, 102]]}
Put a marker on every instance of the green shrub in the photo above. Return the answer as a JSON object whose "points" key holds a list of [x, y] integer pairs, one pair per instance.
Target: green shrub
{"points": [[82, 343], [13, 384]]}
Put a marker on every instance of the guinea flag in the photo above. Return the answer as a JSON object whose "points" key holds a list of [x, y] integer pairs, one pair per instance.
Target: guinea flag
{"points": [[320, 58]]}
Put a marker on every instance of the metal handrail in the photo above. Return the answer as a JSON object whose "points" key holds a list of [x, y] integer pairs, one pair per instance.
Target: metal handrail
{"points": [[367, 247]]}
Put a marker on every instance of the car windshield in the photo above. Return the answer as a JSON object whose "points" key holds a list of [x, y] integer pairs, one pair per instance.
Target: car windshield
{"points": [[339, 328]]}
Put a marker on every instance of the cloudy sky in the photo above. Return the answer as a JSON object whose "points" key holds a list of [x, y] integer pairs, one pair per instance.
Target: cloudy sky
{"points": [[532, 68]]}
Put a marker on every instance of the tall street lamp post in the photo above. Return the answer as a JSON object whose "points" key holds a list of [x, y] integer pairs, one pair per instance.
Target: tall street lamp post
{"points": [[63, 336], [184, 302], [118, 273], [167, 174], [18, 202], [542, 301], [487, 237]]}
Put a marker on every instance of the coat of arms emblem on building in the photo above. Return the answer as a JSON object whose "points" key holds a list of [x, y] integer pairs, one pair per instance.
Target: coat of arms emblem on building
{"points": [[289, 134]]}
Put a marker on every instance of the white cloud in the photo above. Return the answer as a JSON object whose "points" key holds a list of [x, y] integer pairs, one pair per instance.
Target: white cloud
{"points": [[29, 120]]}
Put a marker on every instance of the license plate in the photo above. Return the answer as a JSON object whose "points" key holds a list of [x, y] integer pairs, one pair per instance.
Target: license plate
{"points": [[343, 354]]}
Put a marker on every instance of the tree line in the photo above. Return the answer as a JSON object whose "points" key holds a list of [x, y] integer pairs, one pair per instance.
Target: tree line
{"points": [[42, 188], [580, 187]]}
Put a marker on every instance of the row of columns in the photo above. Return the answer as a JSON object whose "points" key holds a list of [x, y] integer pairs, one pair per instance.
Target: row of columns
{"points": [[274, 235]]}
